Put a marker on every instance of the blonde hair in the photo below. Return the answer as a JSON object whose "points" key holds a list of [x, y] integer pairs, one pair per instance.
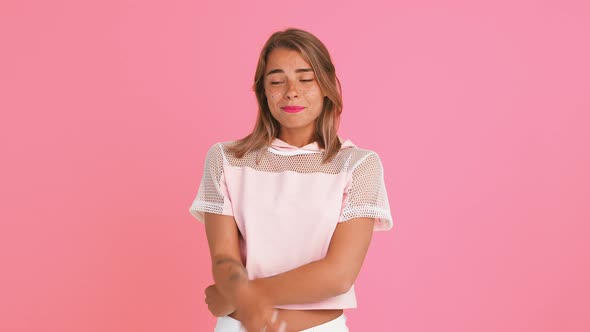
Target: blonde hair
{"points": [[266, 128]]}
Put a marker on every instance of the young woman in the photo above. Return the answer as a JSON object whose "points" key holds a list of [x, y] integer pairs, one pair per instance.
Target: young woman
{"points": [[290, 209]]}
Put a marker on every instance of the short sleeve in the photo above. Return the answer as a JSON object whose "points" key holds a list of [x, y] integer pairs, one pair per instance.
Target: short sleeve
{"points": [[212, 195], [366, 195]]}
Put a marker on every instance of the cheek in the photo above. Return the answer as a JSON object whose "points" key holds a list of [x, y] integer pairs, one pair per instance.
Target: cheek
{"points": [[271, 95], [313, 92], [314, 89]]}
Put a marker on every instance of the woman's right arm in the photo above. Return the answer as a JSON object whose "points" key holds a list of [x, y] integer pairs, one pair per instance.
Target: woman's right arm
{"points": [[253, 308], [228, 271]]}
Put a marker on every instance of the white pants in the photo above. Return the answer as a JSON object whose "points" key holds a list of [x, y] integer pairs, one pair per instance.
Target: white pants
{"points": [[228, 324]]}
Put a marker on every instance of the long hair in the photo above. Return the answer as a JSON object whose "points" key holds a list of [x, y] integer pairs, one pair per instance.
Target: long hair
{"points": [[266, 127]]}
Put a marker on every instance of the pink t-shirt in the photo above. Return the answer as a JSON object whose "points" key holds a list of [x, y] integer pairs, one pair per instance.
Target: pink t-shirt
{"points": [[287, 206]]}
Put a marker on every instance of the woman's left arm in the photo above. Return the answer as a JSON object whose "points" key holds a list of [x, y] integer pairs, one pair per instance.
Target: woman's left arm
{"points": [[328, 277], [331, 276]]}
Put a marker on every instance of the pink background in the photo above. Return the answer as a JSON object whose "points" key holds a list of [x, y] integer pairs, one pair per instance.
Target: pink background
{"points": [[480, 113]]}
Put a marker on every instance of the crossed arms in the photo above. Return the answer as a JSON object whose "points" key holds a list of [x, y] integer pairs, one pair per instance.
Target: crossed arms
{"points": [[330, 276]]}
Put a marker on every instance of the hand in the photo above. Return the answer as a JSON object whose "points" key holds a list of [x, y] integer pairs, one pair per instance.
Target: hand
{"points": [[274, 325], [218, 305], [254, 310]]}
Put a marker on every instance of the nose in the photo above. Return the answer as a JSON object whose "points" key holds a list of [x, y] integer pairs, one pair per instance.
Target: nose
{"points": [[293, 90]]}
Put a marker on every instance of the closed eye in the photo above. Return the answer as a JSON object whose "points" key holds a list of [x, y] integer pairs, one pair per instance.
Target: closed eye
{"points": [[280, 82]]}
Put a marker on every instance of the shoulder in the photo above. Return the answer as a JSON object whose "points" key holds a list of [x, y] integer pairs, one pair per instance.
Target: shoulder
{"points": [[224, 153], [220, 148], [216, 153], [359, 156]]}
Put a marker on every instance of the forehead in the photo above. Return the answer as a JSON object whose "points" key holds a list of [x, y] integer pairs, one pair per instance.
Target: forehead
{"points": [[286, 59]]}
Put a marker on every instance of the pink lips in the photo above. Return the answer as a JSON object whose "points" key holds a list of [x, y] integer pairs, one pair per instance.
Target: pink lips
{"points": [[292, 109]]}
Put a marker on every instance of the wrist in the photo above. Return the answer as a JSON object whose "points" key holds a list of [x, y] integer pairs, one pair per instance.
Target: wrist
{"points": [[260, 287], [231, 291], [249, 293]]}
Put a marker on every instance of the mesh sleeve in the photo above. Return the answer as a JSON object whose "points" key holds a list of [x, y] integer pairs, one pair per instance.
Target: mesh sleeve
{"points": [[212, 195], [366, 196]]}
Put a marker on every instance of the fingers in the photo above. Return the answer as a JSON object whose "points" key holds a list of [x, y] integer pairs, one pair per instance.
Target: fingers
{"points": [[280, 327], [277, 325]]}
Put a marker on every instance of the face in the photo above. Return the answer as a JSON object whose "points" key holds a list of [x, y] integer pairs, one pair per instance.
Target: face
{"points": [[292, 91]]}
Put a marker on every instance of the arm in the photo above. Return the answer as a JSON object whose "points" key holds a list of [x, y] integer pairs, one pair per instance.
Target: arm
{"points": [[228, 271], [333, 275], [231, 278]]}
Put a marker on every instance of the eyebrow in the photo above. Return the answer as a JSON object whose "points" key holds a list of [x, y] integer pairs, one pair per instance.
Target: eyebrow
{"points": [[300, 70]]}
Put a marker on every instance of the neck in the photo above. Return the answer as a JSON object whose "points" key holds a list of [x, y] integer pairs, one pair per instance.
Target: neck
{"points": [[296, 138]]}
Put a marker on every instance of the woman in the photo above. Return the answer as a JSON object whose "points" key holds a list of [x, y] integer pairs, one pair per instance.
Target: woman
{"points": [[290, 209]]}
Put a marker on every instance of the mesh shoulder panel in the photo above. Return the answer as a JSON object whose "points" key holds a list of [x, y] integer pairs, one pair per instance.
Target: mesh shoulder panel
{"points": [[300, 163], [366, 193]]}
